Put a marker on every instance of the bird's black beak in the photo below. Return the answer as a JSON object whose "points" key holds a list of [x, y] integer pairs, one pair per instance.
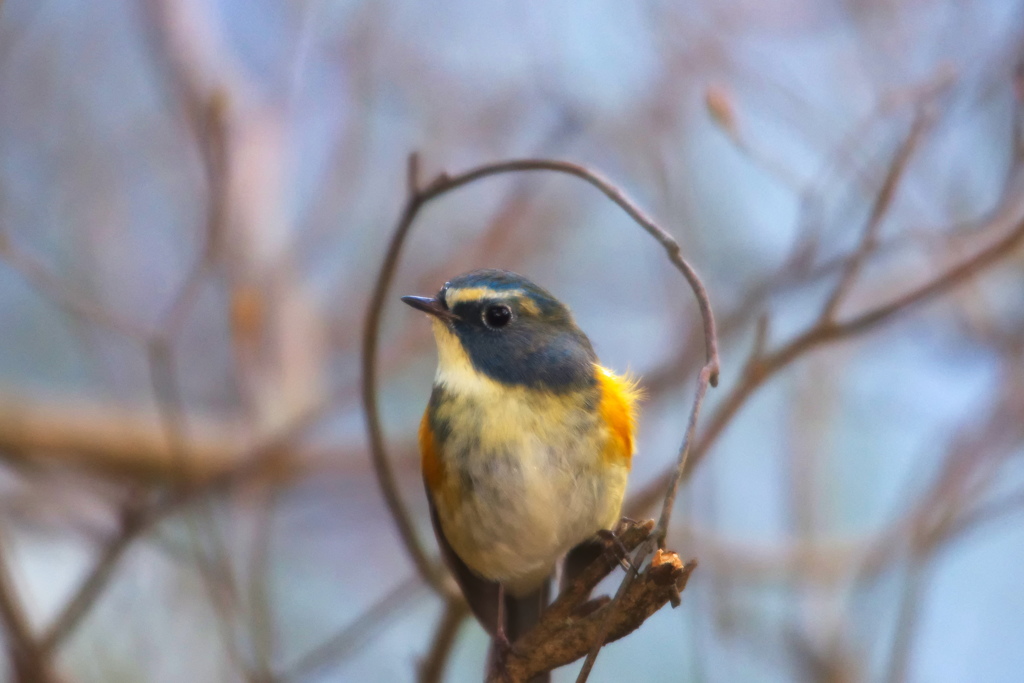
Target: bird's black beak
{"points": [[430, 306]]}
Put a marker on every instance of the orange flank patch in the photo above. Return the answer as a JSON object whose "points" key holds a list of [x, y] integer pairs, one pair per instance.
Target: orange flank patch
{"points": [[619, 396], [433, 466]]}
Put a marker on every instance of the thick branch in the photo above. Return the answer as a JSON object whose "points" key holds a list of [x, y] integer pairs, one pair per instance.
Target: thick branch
{"points": [[114, 440], [573, 625]]}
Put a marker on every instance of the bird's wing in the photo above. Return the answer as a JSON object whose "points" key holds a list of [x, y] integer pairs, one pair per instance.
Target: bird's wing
{"points": [[481, 594], [579, 558]]}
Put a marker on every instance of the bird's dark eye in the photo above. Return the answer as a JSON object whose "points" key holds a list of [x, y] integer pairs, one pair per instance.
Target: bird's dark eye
{"points": [[497, 315], [442, 293]]}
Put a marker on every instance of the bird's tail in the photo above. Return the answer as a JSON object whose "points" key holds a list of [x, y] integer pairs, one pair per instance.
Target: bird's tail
{"points": [[522, 614]]}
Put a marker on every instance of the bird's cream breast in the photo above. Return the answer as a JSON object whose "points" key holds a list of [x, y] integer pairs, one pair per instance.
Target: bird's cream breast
{"points": [[525, 469]]}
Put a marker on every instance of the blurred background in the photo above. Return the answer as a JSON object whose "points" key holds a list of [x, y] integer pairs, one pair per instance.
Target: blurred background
{"points": [[195, 198]]}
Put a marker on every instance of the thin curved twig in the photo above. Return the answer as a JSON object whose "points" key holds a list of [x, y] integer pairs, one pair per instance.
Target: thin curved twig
{"points": [[418, 196]]}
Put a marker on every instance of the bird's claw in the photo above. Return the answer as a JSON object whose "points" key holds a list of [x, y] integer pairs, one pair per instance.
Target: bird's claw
{"points": [[502, 647], [614, 546]]}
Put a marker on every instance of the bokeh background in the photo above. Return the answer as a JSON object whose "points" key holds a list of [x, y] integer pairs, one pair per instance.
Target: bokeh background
{"points": [[195, 197]]}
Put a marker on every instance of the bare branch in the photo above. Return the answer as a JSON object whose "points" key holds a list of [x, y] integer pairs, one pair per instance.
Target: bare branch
{"points": [[94, 583], [758, 371], [124, 443], [879, 209], [40, 278], [684, 457], [28, 661], [357, 632], [433, 666], [914, 588], [216, 572]]}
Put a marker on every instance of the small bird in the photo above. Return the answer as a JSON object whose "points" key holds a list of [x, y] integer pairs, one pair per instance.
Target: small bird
{"points": [[526, 444]]}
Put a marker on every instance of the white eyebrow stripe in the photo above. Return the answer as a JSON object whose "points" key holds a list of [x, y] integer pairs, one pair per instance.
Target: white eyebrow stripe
{"points": [[455, 296]]}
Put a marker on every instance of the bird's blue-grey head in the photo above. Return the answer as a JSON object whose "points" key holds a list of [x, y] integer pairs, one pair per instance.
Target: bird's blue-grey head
{"points": [[512, 330]]}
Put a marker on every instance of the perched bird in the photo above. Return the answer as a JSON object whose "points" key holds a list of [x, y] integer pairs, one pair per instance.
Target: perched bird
{"points": [[526, 444]]}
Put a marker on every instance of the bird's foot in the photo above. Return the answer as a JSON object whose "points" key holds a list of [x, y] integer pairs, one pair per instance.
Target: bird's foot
{"points": [[500, 645], [614, 546], [500, 649]]}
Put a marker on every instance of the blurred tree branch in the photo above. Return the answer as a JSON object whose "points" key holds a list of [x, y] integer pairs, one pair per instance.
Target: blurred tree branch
{"points": [[207, 473], [28, 662], [761, 365], [116, 440]]}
